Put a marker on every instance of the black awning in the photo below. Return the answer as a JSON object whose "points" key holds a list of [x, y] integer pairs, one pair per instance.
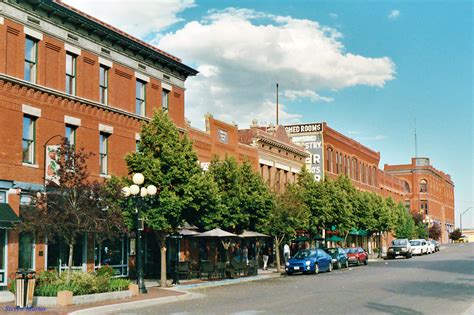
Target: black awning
{"points": [[7, 216]]}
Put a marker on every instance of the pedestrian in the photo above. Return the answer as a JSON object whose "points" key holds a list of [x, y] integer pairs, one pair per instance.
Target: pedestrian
{"points": [[286, 252], [245, 255], [265, 259]]}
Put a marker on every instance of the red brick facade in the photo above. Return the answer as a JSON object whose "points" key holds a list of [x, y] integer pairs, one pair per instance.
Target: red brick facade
{"points": [[430, 191]]}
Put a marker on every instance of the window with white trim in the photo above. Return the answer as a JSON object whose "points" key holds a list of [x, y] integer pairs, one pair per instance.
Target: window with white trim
{"points": [[71, 60], [165, 100], [31, 56], [103, 152], [140, 98], [29, 139], [103, 84]]}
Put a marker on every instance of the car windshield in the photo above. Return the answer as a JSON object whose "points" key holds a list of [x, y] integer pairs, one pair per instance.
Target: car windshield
{"points": [[399, 242], [433, 242], [415, 243], [305, 254], [351, 250]]}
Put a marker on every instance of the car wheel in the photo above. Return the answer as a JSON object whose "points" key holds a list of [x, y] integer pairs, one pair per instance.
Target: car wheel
{"points": [[339, 265], [366, 261], [358, 262], [409, 255], [316, 268], [346, 264], [289, 273], [330, 267]]}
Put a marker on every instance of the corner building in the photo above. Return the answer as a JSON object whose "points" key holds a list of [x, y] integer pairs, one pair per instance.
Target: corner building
{"points": [[65, 73], [429, 191]]}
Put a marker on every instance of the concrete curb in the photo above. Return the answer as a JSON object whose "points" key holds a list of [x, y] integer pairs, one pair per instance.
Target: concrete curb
{"points": [[110, 309], [225, 282]]}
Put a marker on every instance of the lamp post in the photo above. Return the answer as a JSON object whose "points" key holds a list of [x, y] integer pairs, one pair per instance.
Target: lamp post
{"points": [[460, 217], [138, 192], [428, 221]]}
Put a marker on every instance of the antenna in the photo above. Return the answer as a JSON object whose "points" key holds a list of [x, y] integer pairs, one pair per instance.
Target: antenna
{"points": [[416, 142], [277, 105]]}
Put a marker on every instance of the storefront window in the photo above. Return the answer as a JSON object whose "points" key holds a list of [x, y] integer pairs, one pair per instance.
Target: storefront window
{"points": [[26, 252], [58, 255], [113, 253], [3, 263]]}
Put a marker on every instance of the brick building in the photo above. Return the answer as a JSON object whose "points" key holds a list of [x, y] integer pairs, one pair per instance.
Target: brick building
{"points": [[64, 73], [429, 191], [220, 139], [279, 159]]}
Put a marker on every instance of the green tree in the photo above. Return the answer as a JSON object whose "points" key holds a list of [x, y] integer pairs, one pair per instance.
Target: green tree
{"points": [[289, 214], [340, 192], [76, 206], [435, 232], [404, 223], [455, 235], [167, 160]]}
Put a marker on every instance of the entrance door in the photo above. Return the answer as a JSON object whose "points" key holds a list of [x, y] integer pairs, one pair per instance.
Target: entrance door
{"points": [[3, 257]]}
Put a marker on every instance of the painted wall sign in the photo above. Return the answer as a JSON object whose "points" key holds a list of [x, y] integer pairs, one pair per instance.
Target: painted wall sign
{"points": [[311, 137]]}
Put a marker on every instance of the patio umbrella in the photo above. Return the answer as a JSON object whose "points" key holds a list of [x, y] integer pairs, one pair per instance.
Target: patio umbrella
{"points": [[186, 232], [246, 234], [216, 233]]}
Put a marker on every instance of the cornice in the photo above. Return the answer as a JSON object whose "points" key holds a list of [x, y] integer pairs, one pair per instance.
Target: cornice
{"points": [[282, 146]]}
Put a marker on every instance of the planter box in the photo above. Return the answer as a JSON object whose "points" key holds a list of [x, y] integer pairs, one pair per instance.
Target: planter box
{"points": [[83, 299]]}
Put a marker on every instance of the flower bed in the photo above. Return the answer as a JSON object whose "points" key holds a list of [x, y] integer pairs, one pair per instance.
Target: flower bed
{"points": [[49, 283]]}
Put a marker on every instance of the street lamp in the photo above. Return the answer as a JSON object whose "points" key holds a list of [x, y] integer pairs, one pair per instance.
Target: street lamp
{"points": [[460, 217], [428, 221], [136, 191]]}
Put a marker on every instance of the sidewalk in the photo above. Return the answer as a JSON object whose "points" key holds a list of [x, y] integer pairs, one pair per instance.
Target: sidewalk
{"points": [[155, 296]]}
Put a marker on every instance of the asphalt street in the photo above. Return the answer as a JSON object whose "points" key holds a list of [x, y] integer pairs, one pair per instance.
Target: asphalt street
{"points": [[440, 283]]}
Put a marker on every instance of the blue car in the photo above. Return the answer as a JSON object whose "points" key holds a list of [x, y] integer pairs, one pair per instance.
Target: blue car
{"points": [[339, 257], [309, 261]]}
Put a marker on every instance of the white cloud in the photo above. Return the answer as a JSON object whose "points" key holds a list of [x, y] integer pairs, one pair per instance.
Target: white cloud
{"points": [[140, 18], [241, 60], [394, 14], [353, 132], [309, 94]]}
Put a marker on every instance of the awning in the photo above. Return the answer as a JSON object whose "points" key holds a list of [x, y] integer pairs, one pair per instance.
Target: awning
{"points": [[7, 216], [335, 238], [358, 232]]}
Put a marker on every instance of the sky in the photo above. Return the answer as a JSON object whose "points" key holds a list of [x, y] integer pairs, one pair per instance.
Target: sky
{"points": [[373, 70]]}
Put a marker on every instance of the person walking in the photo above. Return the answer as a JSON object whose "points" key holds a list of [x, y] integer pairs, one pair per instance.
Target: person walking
{"points": [[286, 252], [265, 259], [245, 255]]}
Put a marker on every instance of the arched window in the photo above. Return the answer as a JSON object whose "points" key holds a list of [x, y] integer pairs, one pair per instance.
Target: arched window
{"points": [[356, 167], [329, 159], [423, 186], [407, 187]]}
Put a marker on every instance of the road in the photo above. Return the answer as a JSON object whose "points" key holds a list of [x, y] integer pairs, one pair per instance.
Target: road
{"points": [[441, 283]]}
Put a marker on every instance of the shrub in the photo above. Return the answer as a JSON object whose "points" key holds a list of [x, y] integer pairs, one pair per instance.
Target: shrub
{"points": [[47, 277], [105, 271], [11, 283], [118, 284], [52, 289], [82, 282]]}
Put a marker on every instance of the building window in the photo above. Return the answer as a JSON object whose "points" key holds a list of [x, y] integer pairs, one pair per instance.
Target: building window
{"points": [[26, 251], [374, 176], [25, 199], [329, 159], [31, 56], [423, 186], [103, 152], [71, 73], [3, 196], [140, 98], [29, 139], [369, 175], [223, 136], [165, 100], [356, 167], [104, 84], [424, 206], [71, 135], [137, 145], [407, 205]]}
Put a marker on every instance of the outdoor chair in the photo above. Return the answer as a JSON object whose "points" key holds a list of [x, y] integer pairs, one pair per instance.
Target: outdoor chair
{"points": [[206, 268], [239, 266], [221, 269], [184, 268]]}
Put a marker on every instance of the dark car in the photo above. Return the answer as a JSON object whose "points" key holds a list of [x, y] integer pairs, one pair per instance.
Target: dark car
{"points": [[400, 247], [436, 244], [357, 256], [339, 257], [309, 261]]}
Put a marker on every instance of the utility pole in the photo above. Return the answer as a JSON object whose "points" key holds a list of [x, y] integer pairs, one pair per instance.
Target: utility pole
{"points": [[277, 105], [460, 217]]}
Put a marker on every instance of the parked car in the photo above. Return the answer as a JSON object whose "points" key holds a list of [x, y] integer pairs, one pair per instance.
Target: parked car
{"points": [[399, 247], [436, 245], [357, 256], [431, 247], [419, 247], [339, 257], [309, 261], [463, 239]]}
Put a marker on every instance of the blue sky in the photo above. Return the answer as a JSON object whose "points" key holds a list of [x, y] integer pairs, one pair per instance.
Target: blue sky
{"points": [[365, 67]]}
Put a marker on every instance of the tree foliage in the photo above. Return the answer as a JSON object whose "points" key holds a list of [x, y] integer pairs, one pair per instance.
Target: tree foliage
{"points": [[455, 235], [74, 207], [434, 232]]}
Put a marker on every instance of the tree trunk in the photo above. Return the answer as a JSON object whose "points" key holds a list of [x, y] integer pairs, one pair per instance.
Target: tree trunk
{"points": [[380, 245], [277, 245], [69, 263], [163, 260]]}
